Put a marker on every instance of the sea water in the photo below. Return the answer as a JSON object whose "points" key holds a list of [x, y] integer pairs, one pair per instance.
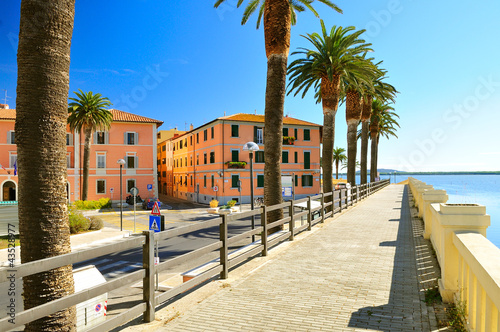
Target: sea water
{"points": [[466, 189]]}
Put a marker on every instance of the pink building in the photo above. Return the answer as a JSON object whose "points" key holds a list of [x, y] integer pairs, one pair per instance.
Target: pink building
{"points": [[131, 137]]}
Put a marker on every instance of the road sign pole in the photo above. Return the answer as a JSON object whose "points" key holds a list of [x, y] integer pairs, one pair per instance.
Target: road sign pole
{"points": [[134, 210]]}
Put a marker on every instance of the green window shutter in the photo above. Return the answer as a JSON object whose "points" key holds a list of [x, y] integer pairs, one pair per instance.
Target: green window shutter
{"points": [[213, 181], [205, 181], [234, 131], [255, 134], [235, 155], [296, 180], [307, 135], [284, 157], [303, 180], [285, 131], [296, 131], [259, 156], [212, 132], [234, 181], [307, 160], [260, 181], [296, 157]]}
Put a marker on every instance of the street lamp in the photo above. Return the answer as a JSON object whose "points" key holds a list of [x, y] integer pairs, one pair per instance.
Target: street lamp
{"points": [[251, 147], [121, 162]]}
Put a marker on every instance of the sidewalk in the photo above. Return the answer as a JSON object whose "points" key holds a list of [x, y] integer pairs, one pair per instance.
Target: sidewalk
{"points": [[78, 242], [356, 273]]}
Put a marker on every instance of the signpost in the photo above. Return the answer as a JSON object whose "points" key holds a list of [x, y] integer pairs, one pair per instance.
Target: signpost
{"points": [[215, 189], [286, 186], [150, 187], [155, 226]]}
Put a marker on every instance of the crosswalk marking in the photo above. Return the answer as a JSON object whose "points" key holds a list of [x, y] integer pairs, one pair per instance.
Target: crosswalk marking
{"points": [[127, 268]]}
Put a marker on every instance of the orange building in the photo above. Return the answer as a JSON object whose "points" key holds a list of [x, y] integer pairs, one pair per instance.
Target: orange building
{"points": [[211, 157], [131, 137]]}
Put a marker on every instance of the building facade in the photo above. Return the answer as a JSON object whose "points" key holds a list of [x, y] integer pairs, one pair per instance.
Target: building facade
{"points": [[208, 162], [131, 137]]}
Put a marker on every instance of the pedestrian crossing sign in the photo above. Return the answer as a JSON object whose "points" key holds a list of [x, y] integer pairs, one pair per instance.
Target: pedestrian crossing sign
{"points": [[154, 223], [156, 209]]}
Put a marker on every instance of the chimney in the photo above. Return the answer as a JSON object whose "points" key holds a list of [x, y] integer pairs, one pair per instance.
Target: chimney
{"points": [[191, 127], [4, 106]]}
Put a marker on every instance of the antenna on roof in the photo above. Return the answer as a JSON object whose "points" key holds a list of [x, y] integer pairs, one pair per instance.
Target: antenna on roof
{"points": [[255, 111], [5, 99], [185, 126], [224, 113]]}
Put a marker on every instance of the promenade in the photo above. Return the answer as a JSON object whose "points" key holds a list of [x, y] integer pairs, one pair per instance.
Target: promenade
{"points": [[356, 273]]}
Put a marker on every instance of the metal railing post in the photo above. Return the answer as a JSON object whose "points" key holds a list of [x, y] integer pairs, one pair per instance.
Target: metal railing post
{"points": [[309, 214], [347, 198], [263, 235], [322, 207], [291, 226], [148, 283], [224, 259], [340, 200]]}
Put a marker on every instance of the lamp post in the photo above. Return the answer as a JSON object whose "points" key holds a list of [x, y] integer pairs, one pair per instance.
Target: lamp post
{"points": [[251, 147], [121, 162]]}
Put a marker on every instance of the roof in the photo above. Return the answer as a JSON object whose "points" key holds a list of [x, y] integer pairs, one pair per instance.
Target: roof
{"points": [[260, 118], [118, 116]]}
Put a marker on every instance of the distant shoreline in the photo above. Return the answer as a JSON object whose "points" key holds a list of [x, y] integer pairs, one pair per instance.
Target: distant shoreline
{"points": [[434, 173]]}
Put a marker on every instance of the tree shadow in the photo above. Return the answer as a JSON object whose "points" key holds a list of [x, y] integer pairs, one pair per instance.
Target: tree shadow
{"points": [[403, 310]]}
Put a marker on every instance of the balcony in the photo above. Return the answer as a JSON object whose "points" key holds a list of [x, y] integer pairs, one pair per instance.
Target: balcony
{"points": [[288, 140], [236, 164]]}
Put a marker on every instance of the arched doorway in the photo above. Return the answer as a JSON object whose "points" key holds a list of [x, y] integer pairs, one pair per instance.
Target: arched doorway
{"points": [[9, 191]]}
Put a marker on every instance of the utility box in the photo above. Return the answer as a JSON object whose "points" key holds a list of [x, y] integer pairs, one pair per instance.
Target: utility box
{"points": [[93, 311]]}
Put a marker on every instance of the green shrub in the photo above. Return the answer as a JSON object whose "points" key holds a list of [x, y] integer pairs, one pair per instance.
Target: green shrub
{"points": [[231, 203], [78, 222], [96, 223], [102, 203]]}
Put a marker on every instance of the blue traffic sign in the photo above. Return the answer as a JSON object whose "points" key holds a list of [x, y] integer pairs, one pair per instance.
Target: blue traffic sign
{"points": [[155, 223], [150, 187]]}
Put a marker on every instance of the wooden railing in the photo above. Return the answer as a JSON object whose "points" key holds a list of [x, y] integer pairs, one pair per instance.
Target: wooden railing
{"points": [[343, 198], [469, 262]]}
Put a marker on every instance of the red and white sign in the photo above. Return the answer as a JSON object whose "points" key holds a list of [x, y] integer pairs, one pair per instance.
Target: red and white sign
{"points": [[156, 209], [216, 188]]}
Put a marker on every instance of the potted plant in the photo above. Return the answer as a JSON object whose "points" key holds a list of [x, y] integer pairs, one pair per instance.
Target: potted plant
{"points": [[213, 206], [232, 206], [236, 164], [288, 140], [224, 209]]}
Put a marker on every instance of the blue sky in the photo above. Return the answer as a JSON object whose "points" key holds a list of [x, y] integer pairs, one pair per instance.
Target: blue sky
{"points": [[186, 62]]}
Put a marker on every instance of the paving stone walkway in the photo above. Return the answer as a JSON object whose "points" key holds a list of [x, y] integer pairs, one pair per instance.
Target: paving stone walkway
{"points": [[358, 273]]}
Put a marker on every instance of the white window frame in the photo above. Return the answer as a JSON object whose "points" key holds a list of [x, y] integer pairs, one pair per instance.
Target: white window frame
{"points": [[9, 137], [136, 137], [106, 137], [135, 182], [260, 140], [136, 160], [12, 162], [69, 139], [97, 187], [287, 152], [68, 160]]}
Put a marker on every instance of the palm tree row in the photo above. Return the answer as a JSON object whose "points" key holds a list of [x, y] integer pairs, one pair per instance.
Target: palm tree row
{"points": [[338, 70]]}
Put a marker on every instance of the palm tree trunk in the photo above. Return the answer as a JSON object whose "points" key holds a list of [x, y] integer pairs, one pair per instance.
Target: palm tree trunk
{"points": [[86, 163], [277, 24], [352, 141], [46, 29], [373, 160], [336, 170], [364, 151]]}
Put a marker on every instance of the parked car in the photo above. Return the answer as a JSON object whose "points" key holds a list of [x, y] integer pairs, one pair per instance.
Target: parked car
{"points": [[342, 185], [149, 203]]}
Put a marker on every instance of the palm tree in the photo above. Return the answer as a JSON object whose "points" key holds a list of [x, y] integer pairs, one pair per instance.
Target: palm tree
{"points": [[339, 157], [88, 113], [383, 118], [382, 91], [333, 57], [43, 59], [278, 17]]}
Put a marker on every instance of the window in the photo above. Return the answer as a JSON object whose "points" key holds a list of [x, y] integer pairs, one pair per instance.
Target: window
{"points": [[197, 137], [205, 158], [235, 131], [186, 161], [191, 177], [190, 140], [164, 147], [212, 132], [11, 137], [164, 161], [296, 133], [12, 160], [181, 161], [235, 155], [191, 161], [285, 131], [260, 180], [164, 174], [212, 157], [296, 180], [284, 157], [197, 159], [204, 181], [258, 135], [131, 161], [307, 180], [130, 184], [185, 142], [213, 181], [307, 160], [69, 139], [101, 161], [307, 135], [100, 137], [205, 135], [296, 157], [235, 178], [131, 138], [101, 186], [259, 156], [68, 160]]}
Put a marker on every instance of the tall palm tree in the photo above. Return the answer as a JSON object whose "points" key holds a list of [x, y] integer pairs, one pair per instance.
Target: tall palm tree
{"points": [[43, 59], [335, 54], [382, 117], [338, 157], [88, 112], [382, 91], [278, 17]]}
